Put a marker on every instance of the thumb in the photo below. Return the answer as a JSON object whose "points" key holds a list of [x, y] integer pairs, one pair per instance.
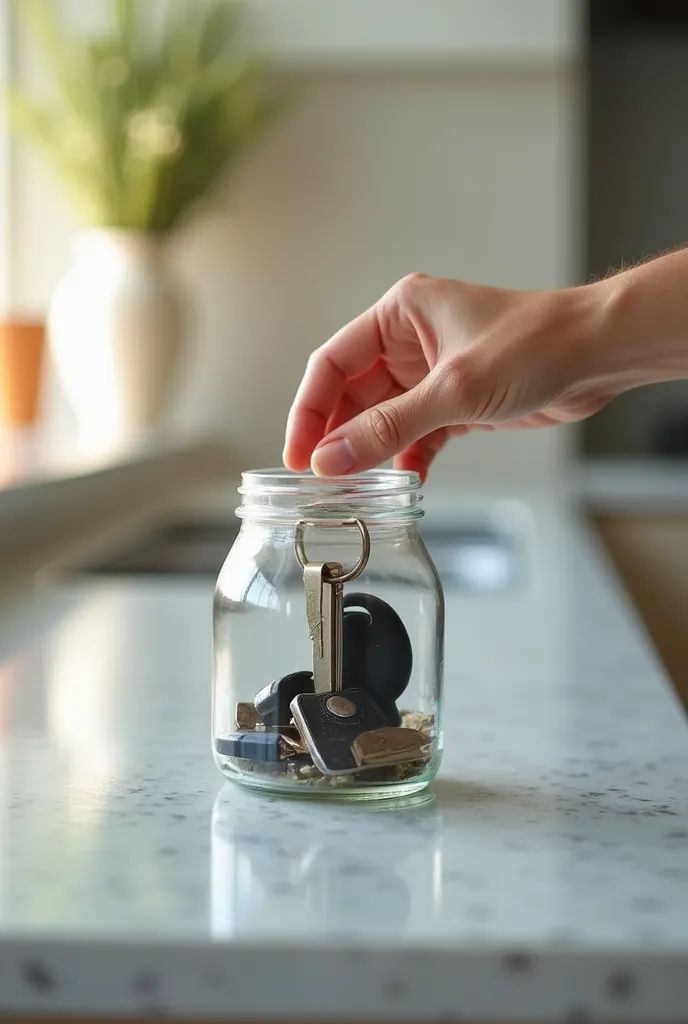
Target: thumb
{"points": [[383, 431]]}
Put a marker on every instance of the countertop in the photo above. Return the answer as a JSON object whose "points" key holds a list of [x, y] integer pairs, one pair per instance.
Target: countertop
{"points": [[547, 881]]}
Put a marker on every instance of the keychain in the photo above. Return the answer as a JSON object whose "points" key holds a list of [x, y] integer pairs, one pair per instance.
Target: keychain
{"points": [[323, 583]]}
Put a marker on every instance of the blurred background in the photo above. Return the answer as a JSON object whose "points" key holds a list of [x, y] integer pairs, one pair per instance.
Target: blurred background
{"points": [[636, 166], [448, 137], [527, 144]]}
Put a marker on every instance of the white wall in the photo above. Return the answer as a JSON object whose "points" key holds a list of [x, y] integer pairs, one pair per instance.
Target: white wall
{"points": [[471, 173]]}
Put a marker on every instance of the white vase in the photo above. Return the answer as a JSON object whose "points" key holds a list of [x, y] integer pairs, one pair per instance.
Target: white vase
{"points": [[116, 330]]}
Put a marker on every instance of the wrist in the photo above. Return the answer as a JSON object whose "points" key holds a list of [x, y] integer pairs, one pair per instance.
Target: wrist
{"points": [[637, 324], [607, 305], [585, 322]]}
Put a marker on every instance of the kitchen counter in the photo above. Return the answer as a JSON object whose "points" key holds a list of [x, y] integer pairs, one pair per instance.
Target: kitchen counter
{"points": [[548, 879]]}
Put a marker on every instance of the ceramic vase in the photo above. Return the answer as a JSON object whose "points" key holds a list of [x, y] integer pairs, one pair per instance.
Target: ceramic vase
{"points": [[116, 332]]}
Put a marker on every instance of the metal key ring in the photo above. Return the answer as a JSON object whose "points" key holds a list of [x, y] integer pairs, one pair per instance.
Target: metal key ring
{"points": [[346, 577]]}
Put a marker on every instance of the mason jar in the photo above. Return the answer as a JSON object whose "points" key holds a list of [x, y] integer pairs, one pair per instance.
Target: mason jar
{"points": [[328, 639]]}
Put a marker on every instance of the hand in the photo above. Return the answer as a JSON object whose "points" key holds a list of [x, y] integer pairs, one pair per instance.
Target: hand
{"points": [[436, 358]]}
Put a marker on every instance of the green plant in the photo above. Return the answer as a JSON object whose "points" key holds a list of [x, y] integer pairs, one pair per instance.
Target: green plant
{"points": [[144, 124]]}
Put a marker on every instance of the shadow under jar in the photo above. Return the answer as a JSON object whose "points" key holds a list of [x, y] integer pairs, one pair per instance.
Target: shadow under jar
{"points": [[328, 639]]}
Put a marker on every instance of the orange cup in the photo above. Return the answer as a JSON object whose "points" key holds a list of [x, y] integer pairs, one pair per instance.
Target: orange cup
{"points": [[22, 355]]}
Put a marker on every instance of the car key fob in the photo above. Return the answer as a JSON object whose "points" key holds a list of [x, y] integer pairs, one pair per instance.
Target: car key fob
{"points": [[391, 712], [330, 722], [272, 703], [377, 652], [257, 746]]}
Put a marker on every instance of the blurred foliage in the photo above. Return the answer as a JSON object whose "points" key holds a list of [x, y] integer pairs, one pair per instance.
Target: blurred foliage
{"points": [[145, 119]]}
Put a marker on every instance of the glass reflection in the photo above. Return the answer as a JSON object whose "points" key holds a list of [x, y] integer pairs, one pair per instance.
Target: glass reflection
{"points": [[84, 660], [303, 868]]}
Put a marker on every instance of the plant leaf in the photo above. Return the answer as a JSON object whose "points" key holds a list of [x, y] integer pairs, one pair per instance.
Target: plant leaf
{"points": [[145, 130], [182, 45], [53, 136], [127, 23], [26, 116], [220, 20], [63, 58]]}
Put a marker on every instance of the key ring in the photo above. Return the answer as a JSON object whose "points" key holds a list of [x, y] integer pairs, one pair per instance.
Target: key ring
{"points": [[346, 577]]}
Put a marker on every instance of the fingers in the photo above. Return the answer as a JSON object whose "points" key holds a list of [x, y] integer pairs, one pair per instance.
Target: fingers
{"points": [[384, 430], [374, 386], [351, 352]]}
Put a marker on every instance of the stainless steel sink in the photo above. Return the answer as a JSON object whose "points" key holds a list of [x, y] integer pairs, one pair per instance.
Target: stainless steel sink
{"points": [[480, 559], [475, 557]]}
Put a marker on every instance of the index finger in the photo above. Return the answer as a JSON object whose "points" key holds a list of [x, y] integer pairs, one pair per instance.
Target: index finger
{"points": [[349, 353]]}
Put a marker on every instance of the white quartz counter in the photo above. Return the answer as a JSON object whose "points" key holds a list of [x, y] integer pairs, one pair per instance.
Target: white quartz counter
{"points": [[547, 881]]}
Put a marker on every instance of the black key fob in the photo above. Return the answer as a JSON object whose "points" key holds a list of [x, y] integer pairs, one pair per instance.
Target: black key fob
{"points": [[330, 722], [257, 746], [377, 652], [272, 703]]}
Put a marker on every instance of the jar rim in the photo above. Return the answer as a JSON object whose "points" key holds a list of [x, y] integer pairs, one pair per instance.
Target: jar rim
{"points": [[379, 495], [279, 480]]}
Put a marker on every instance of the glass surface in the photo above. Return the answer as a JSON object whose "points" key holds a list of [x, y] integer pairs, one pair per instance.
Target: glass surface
{"points": [[476, 559], [261, 632]]}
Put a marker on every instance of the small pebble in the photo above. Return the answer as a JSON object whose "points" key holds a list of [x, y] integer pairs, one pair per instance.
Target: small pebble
{"points": [[417, 720]]}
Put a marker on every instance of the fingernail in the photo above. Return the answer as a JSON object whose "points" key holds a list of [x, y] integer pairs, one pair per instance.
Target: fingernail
{"points": [[334, 458]]}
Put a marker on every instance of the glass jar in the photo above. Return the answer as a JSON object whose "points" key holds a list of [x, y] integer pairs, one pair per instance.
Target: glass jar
{"points": [[325, 688]]}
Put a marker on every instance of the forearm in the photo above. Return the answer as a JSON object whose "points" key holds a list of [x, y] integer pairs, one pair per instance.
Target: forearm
{"points": [[638, 323]]}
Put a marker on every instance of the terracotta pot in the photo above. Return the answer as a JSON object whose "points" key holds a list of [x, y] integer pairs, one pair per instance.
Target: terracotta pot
{"points": [[22, 353]]}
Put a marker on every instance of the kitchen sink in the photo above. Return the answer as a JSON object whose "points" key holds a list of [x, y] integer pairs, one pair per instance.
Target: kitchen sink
{"points": [[475, 557]]}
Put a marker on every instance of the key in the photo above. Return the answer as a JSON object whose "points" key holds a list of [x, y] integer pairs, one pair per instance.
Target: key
{"points": [[324, 613], [387, 746], [270, 748], [330, 722], [272, 703], [257, 746]]}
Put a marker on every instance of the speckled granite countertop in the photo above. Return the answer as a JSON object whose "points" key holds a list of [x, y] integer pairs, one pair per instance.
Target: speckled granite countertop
{"points": [[547, 881]]}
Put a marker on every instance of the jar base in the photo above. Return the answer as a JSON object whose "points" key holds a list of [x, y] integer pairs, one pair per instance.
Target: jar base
{"points": [[338, 788]]}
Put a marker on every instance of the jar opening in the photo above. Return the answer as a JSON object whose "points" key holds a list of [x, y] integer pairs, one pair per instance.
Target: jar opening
{"points": [[376, 495]]}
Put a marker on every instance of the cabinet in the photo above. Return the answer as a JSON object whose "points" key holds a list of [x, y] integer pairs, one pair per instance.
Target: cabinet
{"points": [[650, 552]]}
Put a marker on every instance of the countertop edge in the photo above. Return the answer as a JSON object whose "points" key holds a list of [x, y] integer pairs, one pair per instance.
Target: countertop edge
{"points": [[211, 979]]}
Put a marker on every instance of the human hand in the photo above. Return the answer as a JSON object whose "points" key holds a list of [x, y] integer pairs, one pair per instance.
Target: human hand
{"points": [[437, 358]]}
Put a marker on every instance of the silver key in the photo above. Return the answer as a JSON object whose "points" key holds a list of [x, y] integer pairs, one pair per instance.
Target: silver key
{"points": [[325, 615]]}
